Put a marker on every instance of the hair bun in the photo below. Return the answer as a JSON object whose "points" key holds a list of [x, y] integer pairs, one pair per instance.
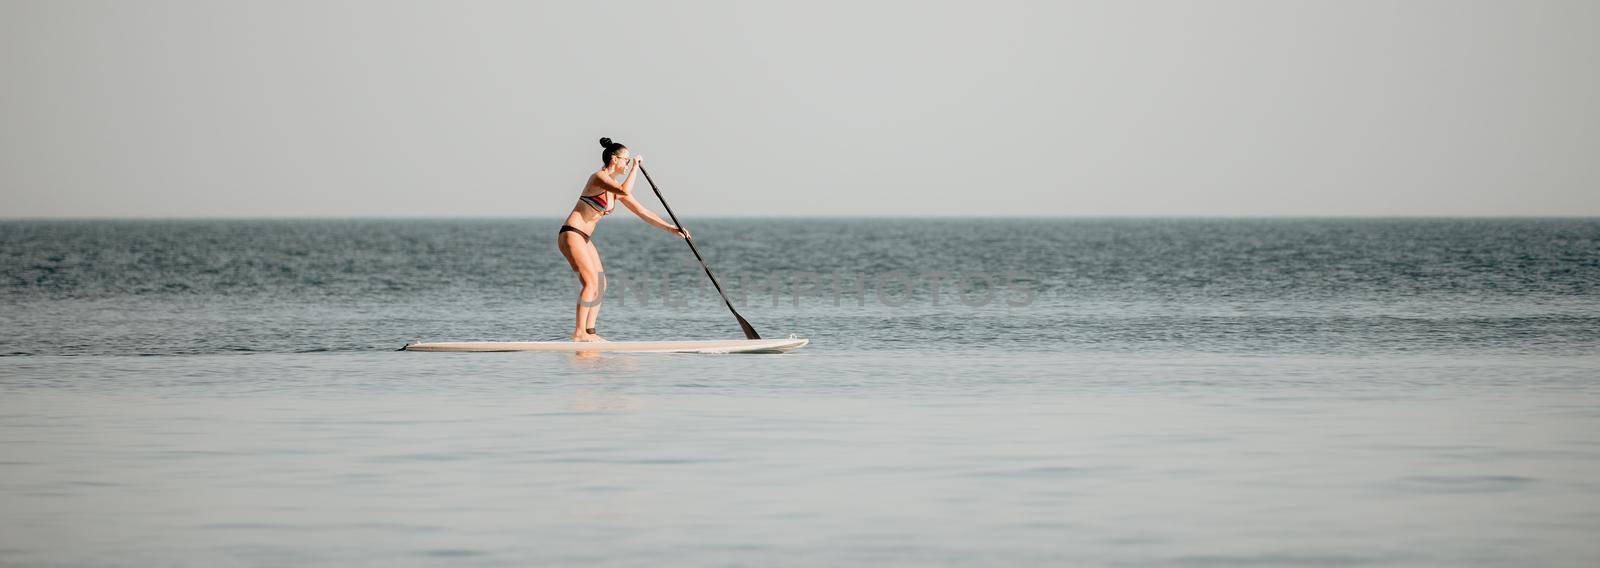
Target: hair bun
{"points": [[605, 142]]}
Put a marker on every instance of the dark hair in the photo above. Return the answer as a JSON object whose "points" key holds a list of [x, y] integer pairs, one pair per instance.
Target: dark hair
{"points": [[611, 150]]}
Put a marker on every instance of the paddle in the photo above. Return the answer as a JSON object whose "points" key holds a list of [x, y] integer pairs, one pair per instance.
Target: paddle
{"points": [[749, 332]]}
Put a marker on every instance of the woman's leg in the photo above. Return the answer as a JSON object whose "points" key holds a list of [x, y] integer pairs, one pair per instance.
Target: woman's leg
{"points": [[566, 250], [576, 251], [600, 270]]}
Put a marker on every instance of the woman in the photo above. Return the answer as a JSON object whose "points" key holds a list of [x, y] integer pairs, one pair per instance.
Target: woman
{"points": [[600, 195]]}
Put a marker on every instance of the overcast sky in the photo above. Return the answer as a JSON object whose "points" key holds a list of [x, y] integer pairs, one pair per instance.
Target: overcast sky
{"points": [[367, 109]]}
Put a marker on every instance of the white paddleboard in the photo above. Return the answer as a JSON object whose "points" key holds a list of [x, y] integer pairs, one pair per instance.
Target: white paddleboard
{"points": [[696, 346]]}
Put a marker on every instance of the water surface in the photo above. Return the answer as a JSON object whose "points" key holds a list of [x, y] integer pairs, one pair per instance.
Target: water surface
{"points": [[1171, 392]]}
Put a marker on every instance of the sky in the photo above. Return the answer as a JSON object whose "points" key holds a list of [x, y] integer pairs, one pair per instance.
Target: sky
{"points": [[220, 108]]}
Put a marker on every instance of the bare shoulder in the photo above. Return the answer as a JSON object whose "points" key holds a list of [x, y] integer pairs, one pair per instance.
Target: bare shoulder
{"points": [[603, 182]]}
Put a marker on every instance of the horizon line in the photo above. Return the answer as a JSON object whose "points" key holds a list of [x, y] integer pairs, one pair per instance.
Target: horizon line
{"points": [[801, 217]]}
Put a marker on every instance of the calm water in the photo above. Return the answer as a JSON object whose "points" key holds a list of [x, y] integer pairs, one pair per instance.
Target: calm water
{"points": [[1129, 392]]}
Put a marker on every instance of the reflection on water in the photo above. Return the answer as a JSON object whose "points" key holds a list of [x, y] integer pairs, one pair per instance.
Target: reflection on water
{"points": [[591, 400], [596, 369], [602, 362]]}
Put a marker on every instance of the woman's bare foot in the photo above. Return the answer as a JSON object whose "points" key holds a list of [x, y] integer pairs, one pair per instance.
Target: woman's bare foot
{"points": [[580, 337], [598, 338]]}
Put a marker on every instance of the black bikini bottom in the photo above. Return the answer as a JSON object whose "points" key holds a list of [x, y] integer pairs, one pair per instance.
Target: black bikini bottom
{"points": [[565, 228]]}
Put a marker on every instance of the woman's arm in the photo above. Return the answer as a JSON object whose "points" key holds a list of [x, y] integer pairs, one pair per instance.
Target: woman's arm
{"points": [[626, 186], [649, 216]]}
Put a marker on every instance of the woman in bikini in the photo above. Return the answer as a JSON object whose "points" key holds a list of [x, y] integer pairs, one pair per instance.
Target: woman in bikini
{"points": [[600, 196]]}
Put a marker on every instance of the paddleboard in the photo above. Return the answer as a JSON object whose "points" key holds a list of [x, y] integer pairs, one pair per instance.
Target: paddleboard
{"points": [[696, 346]]}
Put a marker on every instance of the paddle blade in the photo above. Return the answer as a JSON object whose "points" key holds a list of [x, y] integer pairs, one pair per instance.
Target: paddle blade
{"points": [[749, 332]]}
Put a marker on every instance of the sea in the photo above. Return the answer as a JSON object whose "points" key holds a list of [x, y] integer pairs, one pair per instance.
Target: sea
{"points": [[976, 392]]}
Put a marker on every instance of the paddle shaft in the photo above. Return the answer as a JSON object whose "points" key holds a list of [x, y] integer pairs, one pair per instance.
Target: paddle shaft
{"points": [[749, 332]]}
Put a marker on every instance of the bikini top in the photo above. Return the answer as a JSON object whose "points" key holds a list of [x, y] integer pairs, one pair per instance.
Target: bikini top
{"points": [[600, 202]]}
